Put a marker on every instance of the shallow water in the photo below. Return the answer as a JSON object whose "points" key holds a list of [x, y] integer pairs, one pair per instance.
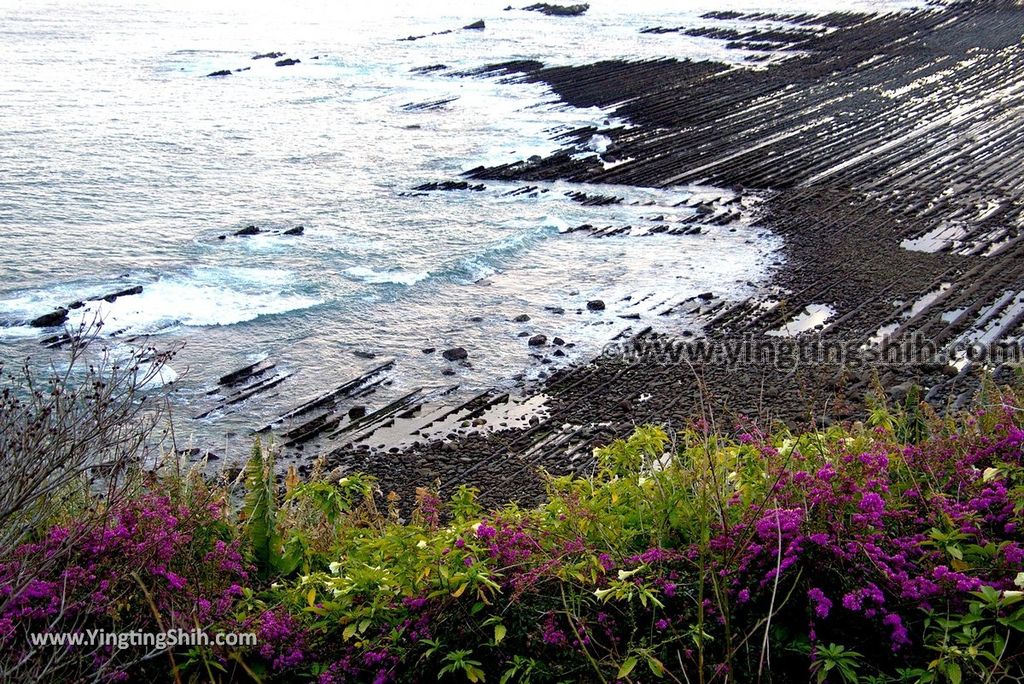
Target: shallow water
{"points": [[123, 164]]}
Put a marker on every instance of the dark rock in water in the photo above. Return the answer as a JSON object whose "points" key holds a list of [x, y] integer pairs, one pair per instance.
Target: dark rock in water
{"points": [[270, 55], [123, 293], [51, 319], [521, 318], [364, 354], [222, 237], [222, 72], [198, 454], [523, 334], [298, 230], [509, 8], [555, 310], [356, 412], [247, 231], [451, 185], [455, 354], [447, 371], [558, 10], [428, 350], [287, 62], [242, 69], [429, 68], [76, 305], [538, 340], [475, 26], [558, 341], [595, 305], [476, 319], [559, 352], [706, 296], [631, 317]]}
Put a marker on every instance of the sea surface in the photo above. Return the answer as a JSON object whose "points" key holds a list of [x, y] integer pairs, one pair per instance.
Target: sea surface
{"points": [[122, 163]]}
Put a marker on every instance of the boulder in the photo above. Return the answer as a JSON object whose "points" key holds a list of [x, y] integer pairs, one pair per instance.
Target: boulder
{"points": [[248, 231], [475, 26], [521, 318], [356, 412], [270, 55], [222, 72], [706, 296], [51, 319], [538, 341], [287, 62], [595, 305], [455, 354], [558, 341], [298, 230], [428, 350]]}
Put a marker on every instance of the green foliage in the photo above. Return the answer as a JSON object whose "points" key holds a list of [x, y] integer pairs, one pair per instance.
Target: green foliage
{"points": [[837, 660], [690, 556]]}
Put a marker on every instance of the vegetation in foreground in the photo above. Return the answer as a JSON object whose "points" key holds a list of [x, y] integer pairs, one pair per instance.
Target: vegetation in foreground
{"points": [[886, 552]]}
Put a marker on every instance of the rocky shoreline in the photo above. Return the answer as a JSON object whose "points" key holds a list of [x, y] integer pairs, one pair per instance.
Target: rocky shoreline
{"points": [[888, 150]]}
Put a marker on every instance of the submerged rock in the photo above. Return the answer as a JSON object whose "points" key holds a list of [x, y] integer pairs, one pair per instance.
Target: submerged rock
{"points": [[298, 230], [521, 318], [270, 55], [248, 231], [475, 26], [287, 62], [222, 72], [595, 305]]}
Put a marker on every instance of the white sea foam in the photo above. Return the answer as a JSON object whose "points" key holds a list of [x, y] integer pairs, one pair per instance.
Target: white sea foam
{"points": [[397, 277], [198, 297]]}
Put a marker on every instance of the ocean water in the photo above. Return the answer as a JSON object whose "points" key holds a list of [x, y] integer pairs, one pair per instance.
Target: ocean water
{"points": [[121, 164]]}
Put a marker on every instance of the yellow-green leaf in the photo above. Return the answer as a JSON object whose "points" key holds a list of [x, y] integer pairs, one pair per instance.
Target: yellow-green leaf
{"points": [[311, 597], [627, 666], [499, 633], [349, 632], [458, 592]]}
